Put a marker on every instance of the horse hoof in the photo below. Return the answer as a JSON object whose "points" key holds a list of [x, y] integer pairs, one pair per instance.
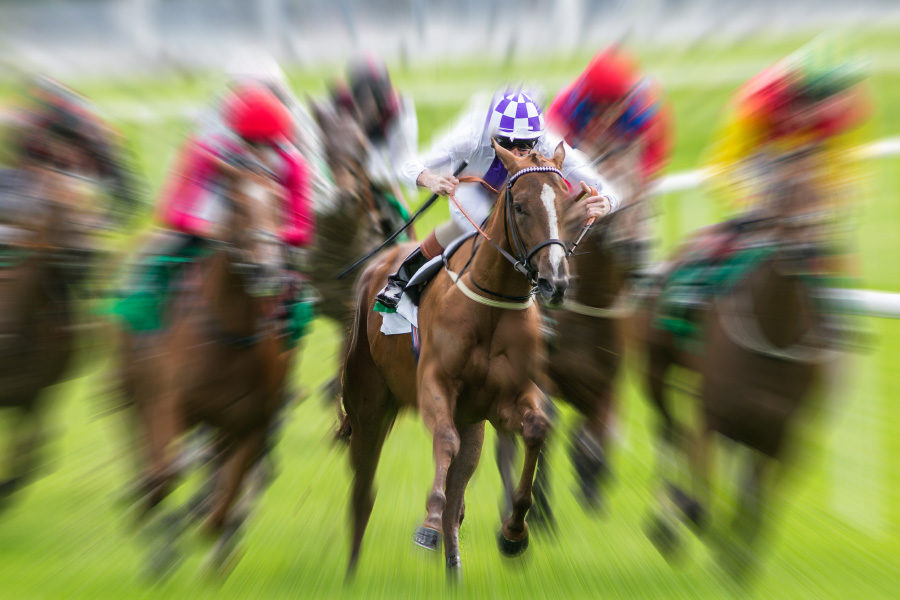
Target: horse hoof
{"points": [[427, 538], [511, 548], [454, 563], [663, 536], [690, 508]]}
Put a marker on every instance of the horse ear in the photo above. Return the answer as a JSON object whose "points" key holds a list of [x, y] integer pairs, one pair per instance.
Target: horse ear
{"points": [[559, 155], [509, 160], [316, 109]]}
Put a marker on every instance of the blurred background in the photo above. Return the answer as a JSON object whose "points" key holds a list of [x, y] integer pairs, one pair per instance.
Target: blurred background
{"points": [[152, 67]]}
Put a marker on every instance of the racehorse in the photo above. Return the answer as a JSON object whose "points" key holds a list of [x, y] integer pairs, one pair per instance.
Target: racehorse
{"points": [[585, 342], [764, 345], [48, 220], [221, 362], [347, 224], [478, 358]]}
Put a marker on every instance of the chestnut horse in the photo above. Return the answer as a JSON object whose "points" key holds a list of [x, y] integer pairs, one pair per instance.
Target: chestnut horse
{"points": [[221, 362], [47, 220], [479, 357]]}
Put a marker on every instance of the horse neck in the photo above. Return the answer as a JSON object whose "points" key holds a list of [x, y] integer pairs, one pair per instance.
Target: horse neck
{"points": [[489, 268], [233, 308], [599, 273], [782, 306], [25, 293]]}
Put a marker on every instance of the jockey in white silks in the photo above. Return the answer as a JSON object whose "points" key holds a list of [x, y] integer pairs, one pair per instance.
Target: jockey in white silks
{"points": [[392, 130], [516, 122]]}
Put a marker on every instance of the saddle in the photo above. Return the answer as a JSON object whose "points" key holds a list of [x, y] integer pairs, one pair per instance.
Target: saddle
{"points": [[710, 270], [426, 272], [405, 320]]}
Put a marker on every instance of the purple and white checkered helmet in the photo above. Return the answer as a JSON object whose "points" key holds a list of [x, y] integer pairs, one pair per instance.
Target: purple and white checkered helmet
{"points": [[517, 117]]}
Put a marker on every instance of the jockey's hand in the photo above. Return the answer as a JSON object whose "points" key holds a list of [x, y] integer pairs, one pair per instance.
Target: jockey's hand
{"points": [[598, 205], [444, 185]]}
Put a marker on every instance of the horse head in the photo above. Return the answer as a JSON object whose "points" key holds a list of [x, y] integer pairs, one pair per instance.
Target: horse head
{"points": [[534, 202], [346, 149], [250, 232]]}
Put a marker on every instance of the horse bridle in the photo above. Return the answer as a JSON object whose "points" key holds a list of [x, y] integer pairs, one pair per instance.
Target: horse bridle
{"points": [[522, 261]]}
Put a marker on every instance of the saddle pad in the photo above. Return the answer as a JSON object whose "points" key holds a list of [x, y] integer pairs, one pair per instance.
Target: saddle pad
{"points": [[407, 315]]}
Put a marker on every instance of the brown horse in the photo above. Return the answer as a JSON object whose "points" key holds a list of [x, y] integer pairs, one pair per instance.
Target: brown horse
{"points": [[346, 224], [585, 336], [221, 362], [479, 357], [764, 346], [47, 246]]}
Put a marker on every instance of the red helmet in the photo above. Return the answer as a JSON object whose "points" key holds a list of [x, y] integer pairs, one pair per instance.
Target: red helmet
{"points": [[610, 75], [257, 115]]}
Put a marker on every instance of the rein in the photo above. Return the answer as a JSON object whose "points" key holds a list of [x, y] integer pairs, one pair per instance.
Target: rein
{"points": [[522, 260]]}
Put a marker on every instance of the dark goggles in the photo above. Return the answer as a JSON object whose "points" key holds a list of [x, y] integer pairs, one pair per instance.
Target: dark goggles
{"points": [[509, 144]]}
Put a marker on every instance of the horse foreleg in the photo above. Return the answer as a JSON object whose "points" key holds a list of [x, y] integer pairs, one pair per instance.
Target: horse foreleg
{"points": [[471, 439], [223, 519], [662, 528], [437, 402], [513, 539], [506, 457], [27, 435], [162, 428], [231, 475]]}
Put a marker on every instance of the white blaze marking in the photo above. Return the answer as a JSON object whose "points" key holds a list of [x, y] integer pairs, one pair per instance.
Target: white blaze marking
{"points": [[548, 196]]}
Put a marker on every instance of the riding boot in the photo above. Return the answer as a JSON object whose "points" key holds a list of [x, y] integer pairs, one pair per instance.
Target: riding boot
{"points": [[388, 298]]}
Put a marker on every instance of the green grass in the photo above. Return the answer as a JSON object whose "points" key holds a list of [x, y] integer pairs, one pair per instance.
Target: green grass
{"points": [[836, 524]]}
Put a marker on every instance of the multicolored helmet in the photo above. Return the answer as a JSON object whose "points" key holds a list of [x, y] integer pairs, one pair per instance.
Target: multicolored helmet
{"points": [[517, 117], [256, 114]]}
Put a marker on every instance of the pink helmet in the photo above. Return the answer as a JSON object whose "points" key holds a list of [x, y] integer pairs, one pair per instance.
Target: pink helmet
{"points": [[257, 115]]}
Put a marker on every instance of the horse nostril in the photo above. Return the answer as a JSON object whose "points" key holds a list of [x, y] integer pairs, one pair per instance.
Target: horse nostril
{"points": [[552, 291]]}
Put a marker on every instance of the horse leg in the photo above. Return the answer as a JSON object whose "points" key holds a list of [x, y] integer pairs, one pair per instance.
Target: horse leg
{"points": [[662, 528], [695, 509], [471, 439], [739, 556], [161, 426], [542, 510], [513, 538], [223, 520], [506, 458], [436, 402], [588, 451], [366, 441], [161, 429], [26, 440]]}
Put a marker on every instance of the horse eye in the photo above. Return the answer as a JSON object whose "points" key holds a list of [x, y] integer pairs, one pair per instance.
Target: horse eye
{"points": [[518, 208]]}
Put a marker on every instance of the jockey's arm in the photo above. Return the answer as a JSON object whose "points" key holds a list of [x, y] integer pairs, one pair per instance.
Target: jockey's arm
{"points": [[300, 227], [194, 165], [600, 197], [456, 146]]}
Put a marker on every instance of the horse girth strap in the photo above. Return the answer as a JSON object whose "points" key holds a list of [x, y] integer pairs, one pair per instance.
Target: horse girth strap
{"points": [[478, 298]]}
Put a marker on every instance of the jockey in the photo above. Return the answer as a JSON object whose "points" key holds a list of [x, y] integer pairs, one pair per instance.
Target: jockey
{"points": [[257, 121], [60, 129], [516, 122], [254, 121], [800, 106], [262, 69], [611, 110], [618, 118], [388, 119]]}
